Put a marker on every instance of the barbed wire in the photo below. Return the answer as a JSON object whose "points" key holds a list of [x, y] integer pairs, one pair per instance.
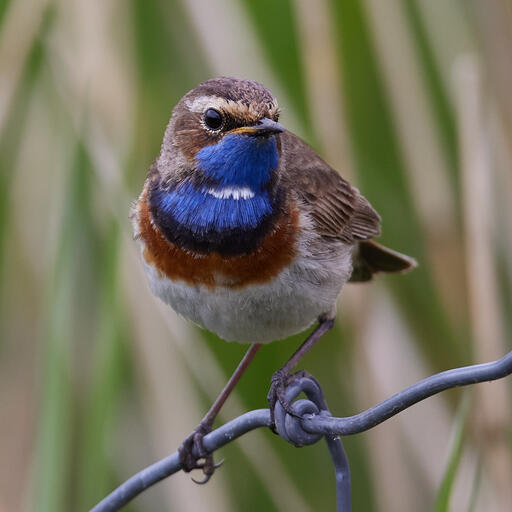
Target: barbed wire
{"points": [[313, 421]]}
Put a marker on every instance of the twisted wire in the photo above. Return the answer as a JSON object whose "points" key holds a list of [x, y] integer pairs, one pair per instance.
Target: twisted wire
{"points": [[311, 422]]}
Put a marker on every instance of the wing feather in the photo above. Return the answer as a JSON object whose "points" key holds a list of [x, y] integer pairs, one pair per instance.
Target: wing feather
{"points": [[336, 207]]}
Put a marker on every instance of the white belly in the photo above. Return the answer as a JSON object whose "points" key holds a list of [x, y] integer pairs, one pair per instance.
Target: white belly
{"points": [[262, 313]]}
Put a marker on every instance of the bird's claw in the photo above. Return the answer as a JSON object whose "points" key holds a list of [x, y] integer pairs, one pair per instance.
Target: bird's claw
{"points": [[280, 380], [208, 467], [204, 460], [277, 393]]}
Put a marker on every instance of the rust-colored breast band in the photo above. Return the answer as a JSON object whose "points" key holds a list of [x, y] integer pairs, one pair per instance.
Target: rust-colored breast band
{"points": [[277, 250]]}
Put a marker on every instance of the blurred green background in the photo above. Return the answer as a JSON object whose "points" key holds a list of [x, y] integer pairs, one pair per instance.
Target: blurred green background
{"points": [[410, 100]]}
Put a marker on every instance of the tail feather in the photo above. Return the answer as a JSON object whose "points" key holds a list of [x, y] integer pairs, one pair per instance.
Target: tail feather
{"points": [[371, 257]]}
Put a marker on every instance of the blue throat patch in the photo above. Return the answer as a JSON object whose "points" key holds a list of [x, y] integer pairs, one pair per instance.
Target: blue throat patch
{"points": [[201, 212], [236, 162], [240, 160], [233, 209]]}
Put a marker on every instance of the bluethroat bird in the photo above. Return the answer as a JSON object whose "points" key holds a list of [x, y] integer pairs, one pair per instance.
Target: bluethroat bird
{"points": [[247, 232]]}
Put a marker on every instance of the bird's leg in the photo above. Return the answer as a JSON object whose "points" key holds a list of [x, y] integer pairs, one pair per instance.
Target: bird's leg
{"points": [[282, 377], [204, 460]]}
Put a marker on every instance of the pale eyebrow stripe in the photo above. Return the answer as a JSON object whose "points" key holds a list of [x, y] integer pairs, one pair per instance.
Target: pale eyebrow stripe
{"points": [[201, 103]]}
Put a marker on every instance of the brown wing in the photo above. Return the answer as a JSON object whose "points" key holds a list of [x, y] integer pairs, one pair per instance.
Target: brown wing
{"points": [[336, 207]]}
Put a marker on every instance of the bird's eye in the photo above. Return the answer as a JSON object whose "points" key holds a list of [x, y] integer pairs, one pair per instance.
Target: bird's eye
{"points": [[212, 119]]}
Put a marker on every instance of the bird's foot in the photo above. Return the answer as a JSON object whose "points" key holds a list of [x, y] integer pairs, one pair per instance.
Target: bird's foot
{"points": [[280, 380], [204, 460]]}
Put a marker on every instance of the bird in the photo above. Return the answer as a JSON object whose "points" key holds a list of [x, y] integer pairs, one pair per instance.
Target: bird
{"points": [[246, 231]]}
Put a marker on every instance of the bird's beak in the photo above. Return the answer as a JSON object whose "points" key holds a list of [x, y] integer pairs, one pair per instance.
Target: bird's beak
{"points": [[264, 126]]}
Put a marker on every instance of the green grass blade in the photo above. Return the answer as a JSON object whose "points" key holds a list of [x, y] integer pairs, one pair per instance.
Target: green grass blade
{"points": [[442, 502], [106, 385]]}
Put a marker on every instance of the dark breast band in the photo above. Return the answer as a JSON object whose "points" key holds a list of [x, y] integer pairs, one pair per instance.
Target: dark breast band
{"points": [[276, 250], [234, 241]]}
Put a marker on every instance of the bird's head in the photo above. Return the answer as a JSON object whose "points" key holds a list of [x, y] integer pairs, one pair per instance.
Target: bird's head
{"points": [[226, 133]]}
